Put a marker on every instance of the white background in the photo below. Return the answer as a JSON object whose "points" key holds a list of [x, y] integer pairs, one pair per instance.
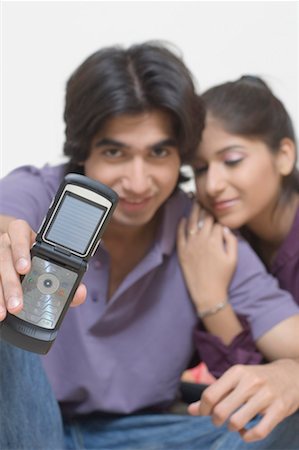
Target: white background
{"points": [[43, 42]]}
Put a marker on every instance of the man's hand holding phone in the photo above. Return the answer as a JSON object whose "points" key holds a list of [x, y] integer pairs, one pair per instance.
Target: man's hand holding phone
{"points": [[51, 263], [15, 261]]}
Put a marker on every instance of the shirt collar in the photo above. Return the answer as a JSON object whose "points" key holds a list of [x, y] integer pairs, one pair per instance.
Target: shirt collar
{"points": [[177, 206]]}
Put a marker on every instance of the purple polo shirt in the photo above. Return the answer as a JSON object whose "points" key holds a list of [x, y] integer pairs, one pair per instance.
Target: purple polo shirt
{"points": [[128, 354]]}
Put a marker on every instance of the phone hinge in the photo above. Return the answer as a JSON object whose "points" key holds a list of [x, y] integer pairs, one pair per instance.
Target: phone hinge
{"points": [[59, 255], [62, 250]]}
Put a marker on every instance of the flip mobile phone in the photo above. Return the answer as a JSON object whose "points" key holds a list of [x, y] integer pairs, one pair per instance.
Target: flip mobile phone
{"points": [[67, 238]]}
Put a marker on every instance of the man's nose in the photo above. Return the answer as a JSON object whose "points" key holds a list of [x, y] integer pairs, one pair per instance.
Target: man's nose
{"points": [[137, 178]]}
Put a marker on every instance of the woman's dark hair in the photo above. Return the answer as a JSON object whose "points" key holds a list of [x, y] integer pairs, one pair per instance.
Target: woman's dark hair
{"points": [[248, 107], [115, 81]]}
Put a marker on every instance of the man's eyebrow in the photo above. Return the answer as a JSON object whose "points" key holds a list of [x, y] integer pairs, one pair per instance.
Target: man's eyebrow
{"points": [[169, 142], [107, 141]]}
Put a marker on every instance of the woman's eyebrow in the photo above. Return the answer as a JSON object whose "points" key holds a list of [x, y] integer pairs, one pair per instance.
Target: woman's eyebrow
{"points": [[229, 148]]}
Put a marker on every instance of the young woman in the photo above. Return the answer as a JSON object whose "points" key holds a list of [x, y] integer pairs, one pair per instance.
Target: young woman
{"points": [[247, 180], [246, 173]]}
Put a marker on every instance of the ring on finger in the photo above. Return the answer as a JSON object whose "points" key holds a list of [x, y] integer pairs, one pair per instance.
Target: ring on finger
{"points": [[201, 220], [200, 224], [192, 231]]}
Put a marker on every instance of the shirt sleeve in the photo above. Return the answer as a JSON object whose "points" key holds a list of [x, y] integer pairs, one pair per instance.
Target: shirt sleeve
{"points": [[220, 357], [25, 195], [259, 304], [256, 295]]}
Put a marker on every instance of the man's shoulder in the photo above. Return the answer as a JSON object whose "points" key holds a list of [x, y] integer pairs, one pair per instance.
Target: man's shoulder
{"points": [[31, 171], [47, 177], [28, 190], [177, 206], [180, 199]]}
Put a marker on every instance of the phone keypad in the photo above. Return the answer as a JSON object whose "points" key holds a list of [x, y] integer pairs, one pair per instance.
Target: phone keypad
{"points": [[46, 289]]}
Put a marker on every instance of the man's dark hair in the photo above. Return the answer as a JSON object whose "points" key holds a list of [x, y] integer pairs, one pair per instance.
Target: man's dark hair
{"points": [[115, 81]]}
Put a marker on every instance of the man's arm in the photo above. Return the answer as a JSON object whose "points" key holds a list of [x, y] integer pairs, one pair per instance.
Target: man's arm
{"points": [[271, 390]]}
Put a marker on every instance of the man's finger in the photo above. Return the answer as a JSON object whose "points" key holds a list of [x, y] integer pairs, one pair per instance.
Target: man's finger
{"points": [[80, 295], [12, 296], [263, 428], [21, 240], [2, 305], [219, 390], [193, 408]]}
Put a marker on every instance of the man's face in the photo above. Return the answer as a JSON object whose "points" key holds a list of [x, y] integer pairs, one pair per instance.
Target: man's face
{"points": [[137, 156]]}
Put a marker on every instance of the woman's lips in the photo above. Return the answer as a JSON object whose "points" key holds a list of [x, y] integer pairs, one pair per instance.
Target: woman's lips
{"points": [[223, 205]]}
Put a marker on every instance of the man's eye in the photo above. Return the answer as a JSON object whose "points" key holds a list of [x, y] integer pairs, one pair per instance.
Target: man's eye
{"points": [[160, 152], [112, 152]]}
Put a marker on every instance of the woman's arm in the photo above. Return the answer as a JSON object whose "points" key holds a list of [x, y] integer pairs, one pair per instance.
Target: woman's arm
{"points": [[208, 257]]}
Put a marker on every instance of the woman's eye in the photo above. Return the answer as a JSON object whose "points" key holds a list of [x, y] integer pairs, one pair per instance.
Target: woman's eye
{"points": [[200, 170], [233, 162]]}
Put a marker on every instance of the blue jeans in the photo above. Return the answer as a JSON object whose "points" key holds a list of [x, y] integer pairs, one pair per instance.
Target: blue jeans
{"points": [[142, 432], [170, 432], [29, 414], [30, 420]]}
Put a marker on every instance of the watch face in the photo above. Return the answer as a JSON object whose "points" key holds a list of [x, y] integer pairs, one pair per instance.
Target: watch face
{"points": [[46, 289]]}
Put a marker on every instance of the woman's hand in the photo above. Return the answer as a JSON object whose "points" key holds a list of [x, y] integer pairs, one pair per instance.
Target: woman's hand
{"points": [[208, 256]]}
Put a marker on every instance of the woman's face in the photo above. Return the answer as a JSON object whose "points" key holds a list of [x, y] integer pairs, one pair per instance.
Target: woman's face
{"points": [[237, 179]]}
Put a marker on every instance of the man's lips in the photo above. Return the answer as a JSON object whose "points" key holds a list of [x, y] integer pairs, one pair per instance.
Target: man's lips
{"points": [[222, 205], [134, 204]]}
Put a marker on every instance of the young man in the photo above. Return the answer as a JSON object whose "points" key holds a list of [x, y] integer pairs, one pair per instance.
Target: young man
{"points": [[132, 119]]}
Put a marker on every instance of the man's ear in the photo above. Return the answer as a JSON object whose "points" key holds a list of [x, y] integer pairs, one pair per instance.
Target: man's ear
{"points": [[286, 156]]}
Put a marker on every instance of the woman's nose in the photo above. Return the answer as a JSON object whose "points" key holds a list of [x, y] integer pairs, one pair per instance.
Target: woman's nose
{"points": [[215, 181]]}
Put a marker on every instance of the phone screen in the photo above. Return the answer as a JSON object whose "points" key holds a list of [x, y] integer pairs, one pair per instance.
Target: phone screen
{"points": [[75, 223]]}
